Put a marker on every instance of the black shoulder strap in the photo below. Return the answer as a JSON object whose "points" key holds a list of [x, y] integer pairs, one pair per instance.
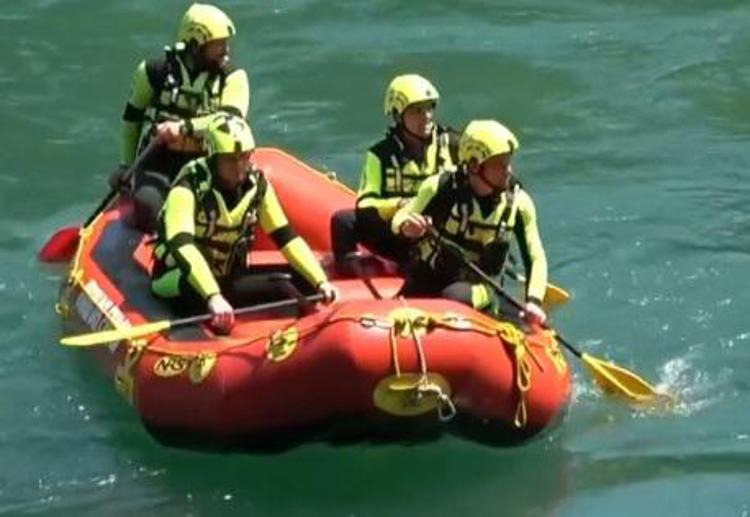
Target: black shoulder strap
{"points": [[156, 71], [389, 149], [262, 183], [514, 187], [248, 230], [451, 190], [454, 136], [205, 200], [201, 173], [186, 177], [163, 70]]}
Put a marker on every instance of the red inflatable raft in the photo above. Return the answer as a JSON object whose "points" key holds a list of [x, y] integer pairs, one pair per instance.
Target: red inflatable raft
{"points": [[380, 362]]}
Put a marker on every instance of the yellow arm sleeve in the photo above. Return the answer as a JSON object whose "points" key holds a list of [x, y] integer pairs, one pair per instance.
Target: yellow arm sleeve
{"points": [[236, 93], [293, 247], [235, 98], [418, 203], [532, 248], [179, 225], [141, 96], [370, 191]]}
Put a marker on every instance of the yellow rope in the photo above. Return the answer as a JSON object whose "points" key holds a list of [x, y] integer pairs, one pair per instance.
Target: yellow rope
{"points": [[394, 350], [76, 273], [425, 387], [512, 336], [75, 266], [409, 323]]}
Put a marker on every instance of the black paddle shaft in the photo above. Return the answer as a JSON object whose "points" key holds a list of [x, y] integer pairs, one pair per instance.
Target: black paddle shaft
{"points": [[248, 310], [129, 174]]}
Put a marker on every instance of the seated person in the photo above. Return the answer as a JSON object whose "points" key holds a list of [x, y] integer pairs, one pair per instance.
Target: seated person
{"points": [[479, 208], [414, 148], [207, 225], [172, 100]]}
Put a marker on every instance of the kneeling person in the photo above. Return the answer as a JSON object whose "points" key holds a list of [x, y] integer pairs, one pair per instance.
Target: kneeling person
{"points": [[479, 208], [207, 225]]}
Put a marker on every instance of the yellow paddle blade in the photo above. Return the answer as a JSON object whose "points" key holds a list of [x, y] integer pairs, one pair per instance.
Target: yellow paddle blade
{"points": [[115, 335], [619, 381], [554, 297]]}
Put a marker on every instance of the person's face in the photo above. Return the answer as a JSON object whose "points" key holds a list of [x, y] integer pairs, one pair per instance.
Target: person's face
{"points": [[232, 168], [215, 54], [419, 118], [492, 175]]}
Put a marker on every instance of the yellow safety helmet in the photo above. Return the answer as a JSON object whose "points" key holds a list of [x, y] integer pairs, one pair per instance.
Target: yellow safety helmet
{"points": [[406, 90], [204, 23], [228, 133], [483, 139]]}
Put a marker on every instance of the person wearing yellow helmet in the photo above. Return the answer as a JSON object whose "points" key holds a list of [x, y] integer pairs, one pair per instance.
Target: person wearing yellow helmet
{"points": [[480, 208], [415, 147], [207, 225], [172, 99]]}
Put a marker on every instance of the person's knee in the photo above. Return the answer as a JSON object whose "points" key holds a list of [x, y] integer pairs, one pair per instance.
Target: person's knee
{"points": [[459, 292], [477, 296], [343, 232], [343, 220], [147, 201], [248, 288]]}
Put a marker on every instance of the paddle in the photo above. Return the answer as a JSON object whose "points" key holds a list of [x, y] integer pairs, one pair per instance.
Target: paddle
{"points": [[63, 243], [116, 335], [610, 377]]}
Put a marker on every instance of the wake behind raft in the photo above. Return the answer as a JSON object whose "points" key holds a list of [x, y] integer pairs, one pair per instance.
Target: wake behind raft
{"points": [[380, 362]]}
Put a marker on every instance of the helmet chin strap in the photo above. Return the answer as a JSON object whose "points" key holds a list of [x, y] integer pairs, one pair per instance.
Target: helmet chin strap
{"points": [[496, 190], [193, 58]]}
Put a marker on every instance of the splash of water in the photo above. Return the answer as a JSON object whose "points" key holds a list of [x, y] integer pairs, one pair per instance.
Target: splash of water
{"points": [[693, 389]]}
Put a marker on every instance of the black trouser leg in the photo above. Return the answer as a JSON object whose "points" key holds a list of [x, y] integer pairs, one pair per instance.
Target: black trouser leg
{"points": [[459, 292], [424, 282], [250, 288], [343, 233], [151, 190]]}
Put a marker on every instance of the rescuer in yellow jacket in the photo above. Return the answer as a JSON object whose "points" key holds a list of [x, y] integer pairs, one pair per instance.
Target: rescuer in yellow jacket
{"points": [[413, 149], [207, 225], [481, 208], [172, 99]]}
